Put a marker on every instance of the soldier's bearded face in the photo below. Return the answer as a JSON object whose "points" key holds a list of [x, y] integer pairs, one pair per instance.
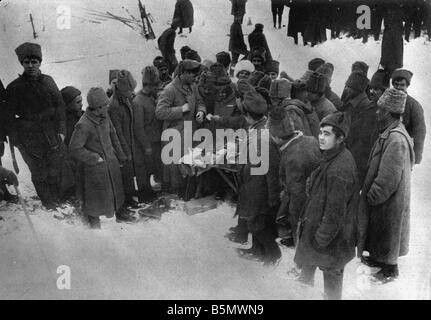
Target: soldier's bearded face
{"points": [[31, 66]]}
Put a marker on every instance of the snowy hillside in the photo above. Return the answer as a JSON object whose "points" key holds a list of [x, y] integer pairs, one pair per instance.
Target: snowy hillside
{"points": [[181, 256]]}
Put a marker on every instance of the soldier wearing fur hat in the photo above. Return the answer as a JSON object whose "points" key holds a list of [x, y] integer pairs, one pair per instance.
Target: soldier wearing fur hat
{"points": [[257, 58], [272, 69], [300, 155], [180, 102], [225, 59], [37, 124], [327, 233], [163, 69], [95, 145], [360, 66], [243, 69], [121, 113], [362, 113], [147, 131], [327, 70], [259, 193], [384, 214], [413, 116], [378, 84], [316, 87], [256, 39]]}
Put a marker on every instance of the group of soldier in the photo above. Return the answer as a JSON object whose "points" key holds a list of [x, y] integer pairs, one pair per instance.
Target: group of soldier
{"points": [[339, 168]]}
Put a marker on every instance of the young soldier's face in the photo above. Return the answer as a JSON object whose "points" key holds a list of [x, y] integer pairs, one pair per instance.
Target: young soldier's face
{"points": [[31, 66], [327, 138], [400, 85], [257, 62]]}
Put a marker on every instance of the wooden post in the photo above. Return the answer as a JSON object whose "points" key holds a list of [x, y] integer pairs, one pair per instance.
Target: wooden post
{"points": [[32, 25]]}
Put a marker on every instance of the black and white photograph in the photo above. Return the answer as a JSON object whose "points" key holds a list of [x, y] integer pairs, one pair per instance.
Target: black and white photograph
{"points": [[241, 150]]}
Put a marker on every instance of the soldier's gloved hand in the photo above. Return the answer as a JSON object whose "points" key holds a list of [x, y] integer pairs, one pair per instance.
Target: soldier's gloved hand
{"points": [[62, 137], [9, 176]]}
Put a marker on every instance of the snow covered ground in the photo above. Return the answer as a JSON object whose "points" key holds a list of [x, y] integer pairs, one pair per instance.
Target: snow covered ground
{"points": [[180, 256]]}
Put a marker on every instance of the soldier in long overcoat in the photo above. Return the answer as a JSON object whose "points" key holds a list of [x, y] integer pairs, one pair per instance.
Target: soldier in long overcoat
{"points": [[180, 102], [36, 123], [95, 145], [327, 229], [384, 216]]}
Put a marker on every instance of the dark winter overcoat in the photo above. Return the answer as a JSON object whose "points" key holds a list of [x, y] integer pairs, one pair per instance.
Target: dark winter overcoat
{"points": [[384, 216], [169, 110], [36, 114], [414, 121], [166, 42], [101, 182], [315, 29], [184, 12], [334, 98], [298, 15], [297, 111], [236, 41], [363, 131], [299, 158], [327, 233], [259, 194], [258, 39], [323, 107], [238, 7], [147, 131], [392, 42], [120, 110], [69, 172]]}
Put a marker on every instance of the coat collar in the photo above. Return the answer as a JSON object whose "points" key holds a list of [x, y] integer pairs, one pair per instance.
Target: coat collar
{"points": [[358, 99], [385, 134], [298, 134], [258, 125], [93, 118], [328, 155], [185, 89]]}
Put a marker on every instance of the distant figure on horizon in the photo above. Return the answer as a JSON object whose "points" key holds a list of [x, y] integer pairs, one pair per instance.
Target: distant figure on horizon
{"points": [[184, 13]]}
